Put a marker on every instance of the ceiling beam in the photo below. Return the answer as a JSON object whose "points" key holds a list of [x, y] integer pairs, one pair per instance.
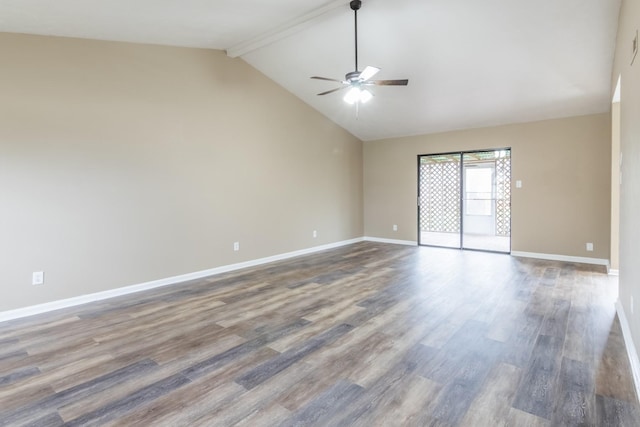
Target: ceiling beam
{"points": [[285, 30]]}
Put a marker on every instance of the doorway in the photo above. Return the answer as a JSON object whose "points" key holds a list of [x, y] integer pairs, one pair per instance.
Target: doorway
{"points": [[464, 200]]}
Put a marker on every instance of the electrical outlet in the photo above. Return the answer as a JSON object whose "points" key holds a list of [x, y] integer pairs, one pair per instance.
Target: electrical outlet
{"points": [[37, 278], [395, 227], [590, 247], [315, 234], [236, 246]]}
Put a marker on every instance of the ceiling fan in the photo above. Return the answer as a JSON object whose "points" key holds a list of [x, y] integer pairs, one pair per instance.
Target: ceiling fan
{"points": [[357, 80]]}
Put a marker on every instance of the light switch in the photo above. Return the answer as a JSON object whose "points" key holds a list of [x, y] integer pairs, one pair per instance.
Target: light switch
{"points": [[518, 184]]}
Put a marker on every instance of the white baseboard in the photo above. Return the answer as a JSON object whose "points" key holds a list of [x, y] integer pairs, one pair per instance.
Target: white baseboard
{"points": [[566, 258], [393, 241], [98, 296], [613, 272], [631, 348]]}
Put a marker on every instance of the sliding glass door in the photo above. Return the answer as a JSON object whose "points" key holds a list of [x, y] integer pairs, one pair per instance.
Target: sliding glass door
{"points": [[439, 200], [464, 200]]}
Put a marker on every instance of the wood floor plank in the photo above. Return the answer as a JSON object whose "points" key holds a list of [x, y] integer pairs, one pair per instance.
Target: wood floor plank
{"points": [[523, 419], [49, 420], [465, 383], [14, 398], [194, 399], [368, 334], [120, 407], [337, 315], [10, 354], [265, 371], [18, 375], [228, 356], [441, 333], [53, 401], [406, 407], [492, 404], [519, 347], [614, 412], [331, 401], [506, 323], [307, 389], [329, 368], [579, 343], [555, 321], [393, 392], [273, 415], [187, 351], [538, 390], [260, 397], [613, 368], [576, 398], [84, 371], [204, 395], [119, 391], [450, 358]]}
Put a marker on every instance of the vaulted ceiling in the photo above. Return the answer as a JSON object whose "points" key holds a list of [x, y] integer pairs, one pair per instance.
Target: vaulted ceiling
{"points": [[469, 63]]}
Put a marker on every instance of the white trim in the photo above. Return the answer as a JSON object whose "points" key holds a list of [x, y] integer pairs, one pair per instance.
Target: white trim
{"points": [[392, 241], [613, 272], [285, 30], [631, 348], [98, 296], [567, 258], [616, 94]]}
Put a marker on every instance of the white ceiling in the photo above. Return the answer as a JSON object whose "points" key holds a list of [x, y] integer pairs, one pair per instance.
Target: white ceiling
{"points": [[469, 63]]}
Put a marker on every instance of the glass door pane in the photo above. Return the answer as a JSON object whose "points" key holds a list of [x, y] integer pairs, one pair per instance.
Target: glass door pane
{"points": [[486, 200], [439, 200]]}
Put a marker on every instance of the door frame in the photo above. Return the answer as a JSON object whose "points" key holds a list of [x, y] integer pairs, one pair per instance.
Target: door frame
{"points": [[461, 154]]}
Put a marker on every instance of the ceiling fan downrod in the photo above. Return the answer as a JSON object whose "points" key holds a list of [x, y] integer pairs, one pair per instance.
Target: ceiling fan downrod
{"points": [[355, 6]]}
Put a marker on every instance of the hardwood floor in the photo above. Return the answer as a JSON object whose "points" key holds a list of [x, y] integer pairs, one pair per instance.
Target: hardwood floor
{"points": [[368, 334]]}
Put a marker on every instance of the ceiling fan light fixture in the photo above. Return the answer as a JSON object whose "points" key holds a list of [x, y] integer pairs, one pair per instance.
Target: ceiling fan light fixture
{"points": [[357, 94], [352, 96], [365, 96]]}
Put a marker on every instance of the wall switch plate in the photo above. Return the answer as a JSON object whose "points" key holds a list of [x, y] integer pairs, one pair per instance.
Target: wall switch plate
{"points": [[315, 234], [37, 278], [395, 227], [590, 247], [236, 246], [518, 184]]}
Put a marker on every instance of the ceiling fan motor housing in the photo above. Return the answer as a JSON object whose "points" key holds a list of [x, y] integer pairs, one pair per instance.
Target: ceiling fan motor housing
{"points": [[352, 76]]}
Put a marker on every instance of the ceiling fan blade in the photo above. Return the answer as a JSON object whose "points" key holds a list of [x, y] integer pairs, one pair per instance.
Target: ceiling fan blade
{"points": [[402, 82], [368, 73], [326, 78], [332, 90]]}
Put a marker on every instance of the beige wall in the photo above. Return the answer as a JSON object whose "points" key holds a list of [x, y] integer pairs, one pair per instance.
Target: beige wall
{"points": [[564, 166], [630, 151], [124, 163]]}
